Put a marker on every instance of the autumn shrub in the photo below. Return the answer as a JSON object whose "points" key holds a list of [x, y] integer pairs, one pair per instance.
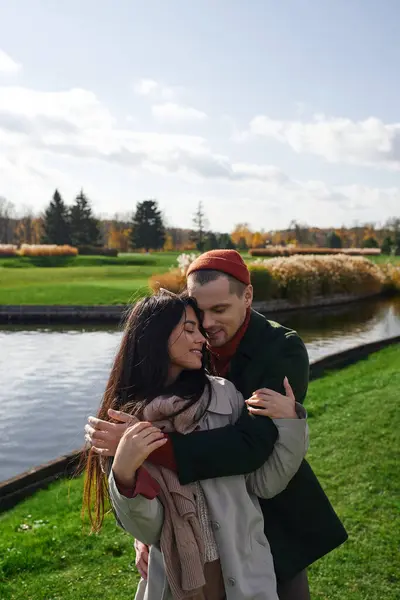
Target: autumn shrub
{"points": [[391, 274], [46, 250], [173, 281], [290, 250], [297, 278], [301, 278], [264, 285], [8, 250]]}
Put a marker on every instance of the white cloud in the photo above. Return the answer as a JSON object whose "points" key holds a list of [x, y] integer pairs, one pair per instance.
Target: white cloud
{"points": [[41, 129], [177, 112], [370, 142], [145, 87], [156, 90], [7, 64]]}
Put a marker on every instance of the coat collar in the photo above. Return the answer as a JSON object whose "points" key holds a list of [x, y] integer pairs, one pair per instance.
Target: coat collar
{"points": [[248, 346], [220, 403]]}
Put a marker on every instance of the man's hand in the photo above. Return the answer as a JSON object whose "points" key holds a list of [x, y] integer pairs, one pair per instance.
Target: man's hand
{"points": [[142, 558], [104, 436], [138, 441], [269, 403]]}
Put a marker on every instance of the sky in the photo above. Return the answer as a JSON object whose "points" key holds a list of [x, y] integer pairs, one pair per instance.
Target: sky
{"points": [[266, 112]]}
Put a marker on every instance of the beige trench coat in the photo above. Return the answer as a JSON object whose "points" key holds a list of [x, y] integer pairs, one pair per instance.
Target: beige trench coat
{"points": [[237, 520]]}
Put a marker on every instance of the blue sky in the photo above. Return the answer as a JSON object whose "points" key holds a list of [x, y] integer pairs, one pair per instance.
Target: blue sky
{"points": [[264, 111]]}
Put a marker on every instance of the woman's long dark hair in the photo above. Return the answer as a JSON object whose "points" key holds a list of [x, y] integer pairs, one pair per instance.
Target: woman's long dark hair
{"points": [[139, 374]]}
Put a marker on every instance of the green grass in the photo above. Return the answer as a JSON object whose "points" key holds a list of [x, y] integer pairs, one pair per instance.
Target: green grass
{"points": [[92, 280], [383, 258], [131, 259], [85, 280], [354, 423]]}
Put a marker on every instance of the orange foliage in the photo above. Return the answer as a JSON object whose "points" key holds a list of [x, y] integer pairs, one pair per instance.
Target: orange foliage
{"points": [[174, 281]]}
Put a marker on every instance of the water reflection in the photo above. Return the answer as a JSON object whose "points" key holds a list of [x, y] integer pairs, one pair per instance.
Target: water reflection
{"points": [[52, 378]]}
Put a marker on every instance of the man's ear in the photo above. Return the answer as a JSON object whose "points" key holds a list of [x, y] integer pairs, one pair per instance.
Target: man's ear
{"points": [[248, 296]]}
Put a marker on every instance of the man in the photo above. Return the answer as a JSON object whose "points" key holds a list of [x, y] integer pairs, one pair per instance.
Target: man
{"points": [[256, 355]]}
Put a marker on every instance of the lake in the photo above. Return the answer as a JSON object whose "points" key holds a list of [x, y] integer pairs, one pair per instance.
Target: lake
{"points": [[52, 378]]}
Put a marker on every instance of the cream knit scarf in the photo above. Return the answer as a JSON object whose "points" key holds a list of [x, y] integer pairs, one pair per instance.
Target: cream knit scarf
{"points": [[181, 540]]}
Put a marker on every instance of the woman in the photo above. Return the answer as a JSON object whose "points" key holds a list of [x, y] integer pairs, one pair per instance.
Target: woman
{"points": [[207, 540]]}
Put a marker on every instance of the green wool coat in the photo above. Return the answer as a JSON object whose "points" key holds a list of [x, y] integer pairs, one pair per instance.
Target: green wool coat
{"points": [[300, 523]]}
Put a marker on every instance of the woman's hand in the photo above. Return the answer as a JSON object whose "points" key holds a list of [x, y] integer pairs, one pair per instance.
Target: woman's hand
{"points": [[137, 443], [269, 403]]}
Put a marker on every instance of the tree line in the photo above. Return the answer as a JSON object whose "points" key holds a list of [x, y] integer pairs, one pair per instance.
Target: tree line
{"points": [[145, 229]]}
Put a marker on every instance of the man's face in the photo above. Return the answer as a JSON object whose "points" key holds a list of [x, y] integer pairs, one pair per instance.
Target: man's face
{"points": [[224, 311]]}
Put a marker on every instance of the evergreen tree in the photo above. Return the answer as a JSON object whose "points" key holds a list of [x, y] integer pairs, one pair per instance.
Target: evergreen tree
{"points": [[396, 248], [55, 222], [211, 242], [148, 229], [387, 245], [242, 245], [333, 240], [370, 242], [225, 242], [84, 226]]}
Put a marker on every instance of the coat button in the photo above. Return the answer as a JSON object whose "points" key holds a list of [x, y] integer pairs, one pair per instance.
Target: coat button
{"points": [[231, 581], [216, 525]]}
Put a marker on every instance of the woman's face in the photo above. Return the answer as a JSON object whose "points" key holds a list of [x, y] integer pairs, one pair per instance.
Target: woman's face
{"points": [[185, 345]]}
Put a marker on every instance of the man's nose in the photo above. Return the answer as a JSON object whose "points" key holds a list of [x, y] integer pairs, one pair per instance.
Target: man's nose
{"points": [[208, 321]]}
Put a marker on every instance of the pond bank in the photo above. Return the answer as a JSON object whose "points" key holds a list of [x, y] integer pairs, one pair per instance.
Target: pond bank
{"points": [[114, 313]]}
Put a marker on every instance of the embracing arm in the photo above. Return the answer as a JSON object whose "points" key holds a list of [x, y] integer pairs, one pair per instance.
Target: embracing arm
{"points": [[232, 450], [245, 446], [286, 458]]}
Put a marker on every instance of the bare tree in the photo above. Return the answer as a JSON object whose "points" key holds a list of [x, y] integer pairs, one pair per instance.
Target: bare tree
{"points": [[7, 221], [200, 225]]}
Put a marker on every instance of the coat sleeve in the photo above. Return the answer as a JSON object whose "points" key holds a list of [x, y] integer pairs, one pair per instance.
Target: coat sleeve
{"points": [[286, 458], [235, 449], [140, 517]]}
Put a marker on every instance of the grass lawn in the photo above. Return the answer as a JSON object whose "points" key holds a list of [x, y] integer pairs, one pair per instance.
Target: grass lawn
{"points": [[86, 280], [354, 422], [83, 280]]}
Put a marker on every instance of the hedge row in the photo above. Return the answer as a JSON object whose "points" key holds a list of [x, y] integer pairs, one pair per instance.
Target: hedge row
{"points": [[275, 251], [301, 278], [96, 251], [8, 250], [37, 250]]}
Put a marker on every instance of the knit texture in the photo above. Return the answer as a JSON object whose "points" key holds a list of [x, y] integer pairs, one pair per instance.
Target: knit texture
{"points": [[226, 261], [221, 356], [187, 541]]}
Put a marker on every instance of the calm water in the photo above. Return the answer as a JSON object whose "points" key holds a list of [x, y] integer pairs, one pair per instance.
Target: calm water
{"points": [[52, 378]]}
